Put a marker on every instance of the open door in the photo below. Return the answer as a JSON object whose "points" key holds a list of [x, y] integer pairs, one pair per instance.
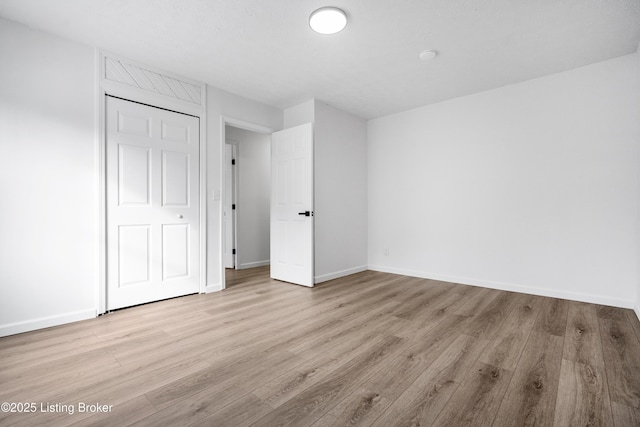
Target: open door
{"points": [[292, 205]]}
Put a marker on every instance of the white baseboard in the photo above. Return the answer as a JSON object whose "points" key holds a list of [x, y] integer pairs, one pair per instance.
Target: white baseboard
{"points": [[338, 274], [253, 264], [533, 290], [215, 287], [46, 322]]}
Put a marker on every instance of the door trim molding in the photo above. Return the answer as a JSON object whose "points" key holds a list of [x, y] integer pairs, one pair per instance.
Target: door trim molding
{"points": [[235, 149], [138, 90], [242, 124], [128, 73]]}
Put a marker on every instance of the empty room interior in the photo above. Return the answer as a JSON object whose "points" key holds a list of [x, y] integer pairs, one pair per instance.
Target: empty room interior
{"points": [[307, 213]]}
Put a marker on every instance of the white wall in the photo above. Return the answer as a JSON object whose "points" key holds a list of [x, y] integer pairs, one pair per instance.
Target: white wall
{"points": [[340, 193], [531, 187], [253, 206], [48, 213], [300, 114]]}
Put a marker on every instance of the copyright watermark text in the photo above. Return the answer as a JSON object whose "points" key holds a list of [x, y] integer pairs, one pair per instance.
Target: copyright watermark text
{"points": [[55, 408]]}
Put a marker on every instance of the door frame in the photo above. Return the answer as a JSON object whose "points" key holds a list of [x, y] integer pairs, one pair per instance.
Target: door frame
{"points": [[131, 90], [242, 124], [235, 150]]}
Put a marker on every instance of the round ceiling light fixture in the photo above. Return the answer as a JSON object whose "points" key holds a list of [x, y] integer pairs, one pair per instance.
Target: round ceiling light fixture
{"points": [[427, 55], [328, 20]]}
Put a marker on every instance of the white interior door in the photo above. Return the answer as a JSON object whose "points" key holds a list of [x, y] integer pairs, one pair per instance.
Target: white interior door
{"points": [[228, 211], [292, 205], [152, 204]]}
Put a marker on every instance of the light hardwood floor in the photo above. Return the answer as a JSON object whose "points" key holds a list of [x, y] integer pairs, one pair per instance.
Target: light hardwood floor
{"points": [[369, 349]]}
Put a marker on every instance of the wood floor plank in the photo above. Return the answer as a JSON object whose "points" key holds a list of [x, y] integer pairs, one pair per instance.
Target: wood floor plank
{"points": [[624, 415], [317, 369], [474, 306], [357, 409], [531, 396], [218, 341], [443, 305], [583, 398], [422, 300], [187, 386], [15, 383], [421, 403], [309, 347], [389, 384], [612, 313], [621, 347], [20, 352], [553, 316], [409, 365], [268, 333], [241, 413], [583, 394], [635, 322], [486, 323], [215, 396], [582, 338], [308, 406], [281, 384], [477, 399], [367, 349], [423, 324], [506, 346]]}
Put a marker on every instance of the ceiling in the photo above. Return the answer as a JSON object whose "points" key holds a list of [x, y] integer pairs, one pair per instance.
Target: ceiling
{"points": [[264, 49]]}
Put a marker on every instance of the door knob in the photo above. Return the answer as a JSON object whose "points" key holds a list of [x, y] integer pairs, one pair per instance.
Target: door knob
{"points": [[180, 216], [306, 213]]}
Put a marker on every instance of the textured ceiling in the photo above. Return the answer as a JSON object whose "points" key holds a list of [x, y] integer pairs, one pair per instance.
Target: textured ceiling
{"points": [[264, 49]]}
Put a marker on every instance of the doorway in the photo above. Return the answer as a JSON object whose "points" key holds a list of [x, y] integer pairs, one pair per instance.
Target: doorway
{"points": [[246, 204]]}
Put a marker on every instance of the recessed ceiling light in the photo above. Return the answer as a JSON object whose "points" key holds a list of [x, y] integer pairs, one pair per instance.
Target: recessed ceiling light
{"points": [[328, 20], [428, 54]]}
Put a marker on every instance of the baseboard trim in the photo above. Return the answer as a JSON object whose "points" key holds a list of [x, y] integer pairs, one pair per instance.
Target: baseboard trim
{"points": [[341, 273], [215, 287], [254, 264], [545, 292], [46, 322]]}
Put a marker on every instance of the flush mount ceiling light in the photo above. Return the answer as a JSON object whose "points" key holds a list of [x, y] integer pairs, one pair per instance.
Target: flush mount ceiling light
{"points": [[427, 55], [328, 20]]}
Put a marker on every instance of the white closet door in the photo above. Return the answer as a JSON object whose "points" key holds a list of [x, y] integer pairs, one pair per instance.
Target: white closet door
{"points": [[152, 204]]}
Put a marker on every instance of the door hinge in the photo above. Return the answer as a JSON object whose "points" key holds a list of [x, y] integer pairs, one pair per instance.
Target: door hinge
{"points": [[233, 252], [233, 161], [233, 206]]}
